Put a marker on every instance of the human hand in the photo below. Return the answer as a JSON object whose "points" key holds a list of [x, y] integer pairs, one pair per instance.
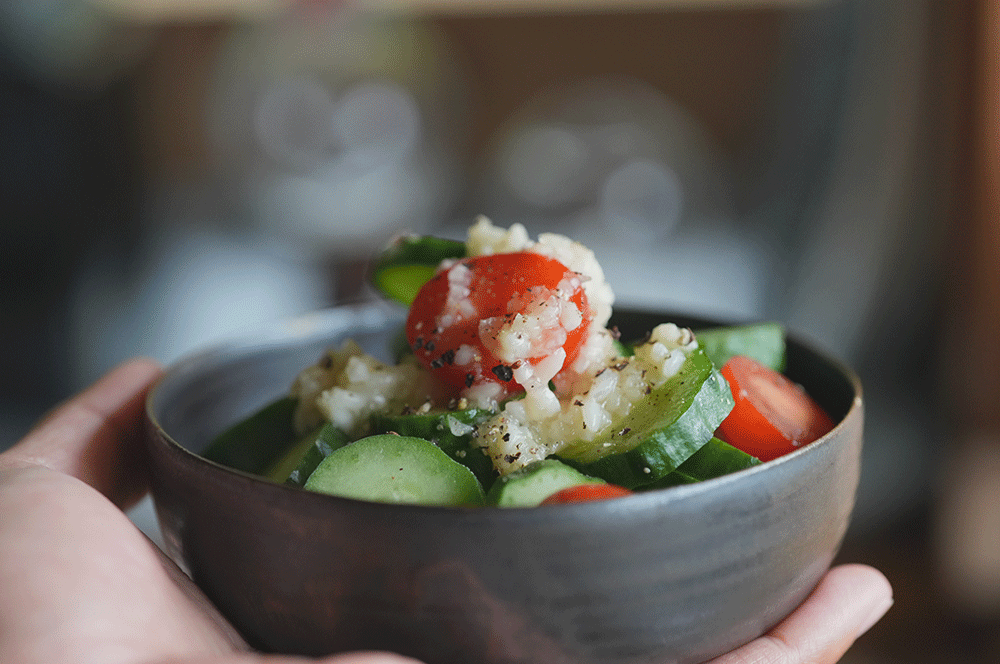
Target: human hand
{"points": [[80, 583], [845, 605]]}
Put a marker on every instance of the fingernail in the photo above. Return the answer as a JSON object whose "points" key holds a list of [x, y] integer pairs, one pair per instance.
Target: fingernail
{"points": [[875, 615]]}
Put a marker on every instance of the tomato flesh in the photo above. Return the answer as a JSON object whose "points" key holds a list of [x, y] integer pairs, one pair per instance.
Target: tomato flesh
{"points": [[583, 493], [773, 416], [478, 319]]}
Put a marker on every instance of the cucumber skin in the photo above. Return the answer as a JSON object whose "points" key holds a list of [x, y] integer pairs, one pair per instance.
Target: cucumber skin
{"points": [[764, 342], [409, 262], [622, 349], [664, 447], [253, 444], [289, 460], [715, 459], [399, 345], [433, 427], [520, 488], [327, 439]]}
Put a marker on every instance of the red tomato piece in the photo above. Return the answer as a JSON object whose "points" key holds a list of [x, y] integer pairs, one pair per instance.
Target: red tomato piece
{"points": [[464, 323], [773, 416], [583, 493]]}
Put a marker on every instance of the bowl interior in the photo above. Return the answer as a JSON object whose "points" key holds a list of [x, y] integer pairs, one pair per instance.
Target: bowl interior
{"points": [[205, 393], [240, 377]]}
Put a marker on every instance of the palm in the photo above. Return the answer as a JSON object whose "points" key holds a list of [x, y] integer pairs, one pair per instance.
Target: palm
{"points": [[90, 587], [73, 548], [80, 584]]}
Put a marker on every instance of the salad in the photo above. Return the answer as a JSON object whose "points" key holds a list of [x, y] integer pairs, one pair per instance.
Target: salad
{"points": [[509, 389]]}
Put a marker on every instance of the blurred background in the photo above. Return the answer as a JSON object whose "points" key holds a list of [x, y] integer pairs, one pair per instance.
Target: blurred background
{"points": [[174, 172]]}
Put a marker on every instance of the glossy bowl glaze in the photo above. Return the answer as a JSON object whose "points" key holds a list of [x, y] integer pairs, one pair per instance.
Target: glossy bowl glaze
{"points": [[676, 575]]}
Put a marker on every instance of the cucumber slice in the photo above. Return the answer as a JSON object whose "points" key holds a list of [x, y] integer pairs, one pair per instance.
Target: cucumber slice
{"points": [[279, 470], [764, 342], [255, 443], [662, 430], [396, 469], [399, 345], [452, 430], [530, 485], [715, 459], [409, 262], [298, 463]]}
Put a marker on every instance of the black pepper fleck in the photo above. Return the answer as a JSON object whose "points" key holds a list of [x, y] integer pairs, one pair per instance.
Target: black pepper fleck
{"points": [[503, 372]]}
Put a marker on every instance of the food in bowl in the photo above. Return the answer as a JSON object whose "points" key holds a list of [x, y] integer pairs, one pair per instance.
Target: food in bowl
{"points": [[511, 390], [676, 575]]}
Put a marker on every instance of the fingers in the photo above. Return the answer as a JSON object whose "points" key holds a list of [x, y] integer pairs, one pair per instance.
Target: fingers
{"points": [[96, 436], [368, 658], [254, 658], [845, 604]]}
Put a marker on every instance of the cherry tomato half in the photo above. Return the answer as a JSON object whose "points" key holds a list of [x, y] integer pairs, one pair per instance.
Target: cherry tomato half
{"points": [[773, 416], [583, 493], [464, 323]]}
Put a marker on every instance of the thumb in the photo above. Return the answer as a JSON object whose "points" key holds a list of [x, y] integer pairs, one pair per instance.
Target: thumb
{"points": [[96, 436]]}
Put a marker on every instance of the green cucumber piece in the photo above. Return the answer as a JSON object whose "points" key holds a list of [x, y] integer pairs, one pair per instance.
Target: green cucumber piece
{"points": [[764, 342], [715, 459], [388, 468], [662, 430], [299, 462], [530, 485], [255, 443], [399, 345], [409, 262], [622, 349], [279, 470], [451, 430]]}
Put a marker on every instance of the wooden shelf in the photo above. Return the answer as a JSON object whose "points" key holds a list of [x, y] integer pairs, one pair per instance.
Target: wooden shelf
{"points": [[508, 7], [162, 11]]}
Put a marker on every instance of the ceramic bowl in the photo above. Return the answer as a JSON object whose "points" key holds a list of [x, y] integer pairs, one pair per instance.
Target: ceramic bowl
{"points": [[675, 575]]}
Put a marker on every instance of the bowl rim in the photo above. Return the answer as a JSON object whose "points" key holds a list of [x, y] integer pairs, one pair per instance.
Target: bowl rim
{"points": [[373, 315]]}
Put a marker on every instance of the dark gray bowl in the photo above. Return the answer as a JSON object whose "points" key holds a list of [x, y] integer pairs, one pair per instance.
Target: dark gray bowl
{"points": [[677, 575]]}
